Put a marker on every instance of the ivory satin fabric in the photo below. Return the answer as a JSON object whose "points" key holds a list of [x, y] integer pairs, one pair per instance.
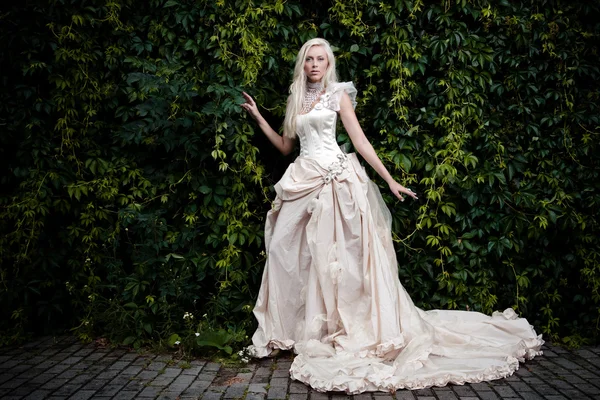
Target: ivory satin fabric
{"points": [[330, 289]]}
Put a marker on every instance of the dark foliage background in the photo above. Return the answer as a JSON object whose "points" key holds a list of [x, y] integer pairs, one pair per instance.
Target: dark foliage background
{"points": [[134, 188]]}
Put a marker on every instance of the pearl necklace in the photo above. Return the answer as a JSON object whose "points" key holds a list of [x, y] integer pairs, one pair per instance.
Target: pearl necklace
{"points": [[313, 91]]}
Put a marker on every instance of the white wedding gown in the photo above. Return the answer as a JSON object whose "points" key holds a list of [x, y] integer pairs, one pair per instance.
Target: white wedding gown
{"points": [[330, 289]]}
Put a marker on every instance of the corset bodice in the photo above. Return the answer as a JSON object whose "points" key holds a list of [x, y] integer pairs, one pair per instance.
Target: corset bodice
{"points": [[316, 132], [316, 129]]}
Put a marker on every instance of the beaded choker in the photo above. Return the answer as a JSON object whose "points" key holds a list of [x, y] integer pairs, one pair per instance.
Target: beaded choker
{"points": [[313, 91]]}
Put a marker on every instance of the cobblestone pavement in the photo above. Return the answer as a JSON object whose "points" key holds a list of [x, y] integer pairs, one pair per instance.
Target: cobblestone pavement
{"points": [[62, 368]]}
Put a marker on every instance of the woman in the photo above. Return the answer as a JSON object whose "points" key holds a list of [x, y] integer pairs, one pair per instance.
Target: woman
{"points": [[330, 289]]}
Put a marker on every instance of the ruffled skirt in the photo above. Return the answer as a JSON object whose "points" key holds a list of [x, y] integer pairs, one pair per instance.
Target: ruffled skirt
{"points": [[330, 291]]}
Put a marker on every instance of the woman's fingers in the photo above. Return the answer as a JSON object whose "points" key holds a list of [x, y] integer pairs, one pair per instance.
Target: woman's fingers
{"points": [[399, 190], [396, 191], [408, 191], [411, 194], [250, 106], [248, 98]]}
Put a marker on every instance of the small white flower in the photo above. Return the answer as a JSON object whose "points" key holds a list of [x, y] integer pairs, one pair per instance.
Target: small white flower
{"points": [[177, 342], [197, 333], [250, 350], [241, 353]]}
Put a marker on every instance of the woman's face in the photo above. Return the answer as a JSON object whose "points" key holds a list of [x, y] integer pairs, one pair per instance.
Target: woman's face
{"points": [[315, 63]]}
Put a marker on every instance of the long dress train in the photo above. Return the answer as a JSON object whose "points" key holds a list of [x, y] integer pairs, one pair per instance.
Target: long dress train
{"points": [[330, 289]]}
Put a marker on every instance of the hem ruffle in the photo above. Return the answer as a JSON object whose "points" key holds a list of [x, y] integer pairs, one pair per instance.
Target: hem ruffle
{"points": [[382, 381]]}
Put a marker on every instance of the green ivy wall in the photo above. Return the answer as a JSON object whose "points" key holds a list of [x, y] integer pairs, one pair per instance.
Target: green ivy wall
{"points": [[135, 188]]}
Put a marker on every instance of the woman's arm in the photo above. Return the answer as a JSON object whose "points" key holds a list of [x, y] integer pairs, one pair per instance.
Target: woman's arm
{"points": [[364, 147], [283, 144]]}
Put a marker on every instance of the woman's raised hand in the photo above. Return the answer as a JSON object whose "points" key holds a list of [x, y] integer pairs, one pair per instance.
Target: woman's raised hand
{"points": [[283, 144], [250, 106]]}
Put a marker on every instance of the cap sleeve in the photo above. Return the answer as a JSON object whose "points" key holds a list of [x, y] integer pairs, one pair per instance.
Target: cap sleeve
{"points": [[333, 95]]}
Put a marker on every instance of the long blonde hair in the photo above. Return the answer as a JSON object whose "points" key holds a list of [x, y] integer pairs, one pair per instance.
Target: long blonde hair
{"points": [[298, 86]]}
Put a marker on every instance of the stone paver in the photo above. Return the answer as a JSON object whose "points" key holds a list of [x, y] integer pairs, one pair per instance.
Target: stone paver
{"points": [[61, 368]]}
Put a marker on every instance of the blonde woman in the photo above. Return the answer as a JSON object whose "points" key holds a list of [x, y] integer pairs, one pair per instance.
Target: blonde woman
{"points": [[330, 289]]}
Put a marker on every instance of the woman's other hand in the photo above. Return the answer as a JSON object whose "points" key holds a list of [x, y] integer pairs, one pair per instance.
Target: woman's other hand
{"points": [[398, 190]]}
